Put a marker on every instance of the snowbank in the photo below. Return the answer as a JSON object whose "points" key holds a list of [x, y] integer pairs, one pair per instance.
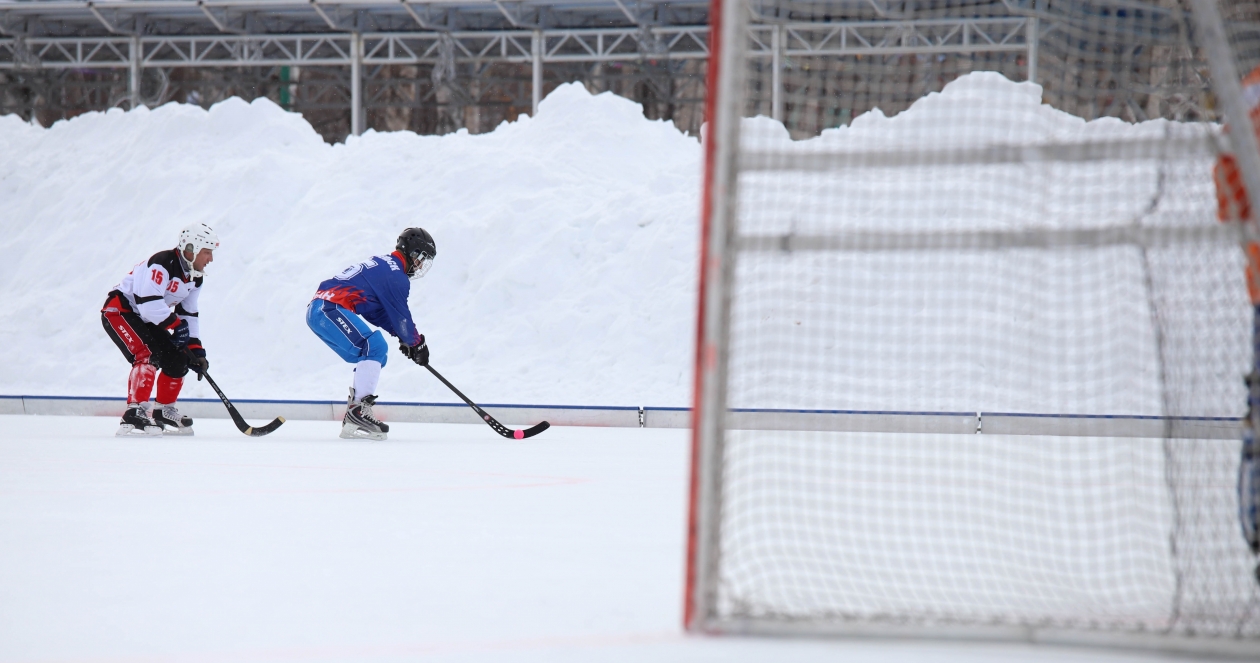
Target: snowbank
{"points": [[1014, 330], [567, 257], [566, 247]]}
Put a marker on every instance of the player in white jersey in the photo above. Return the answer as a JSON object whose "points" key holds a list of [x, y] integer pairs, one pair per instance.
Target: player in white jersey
{"points": [[152, 316]]}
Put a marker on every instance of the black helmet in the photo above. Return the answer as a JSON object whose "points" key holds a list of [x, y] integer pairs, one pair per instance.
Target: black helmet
{"points": [[417, 245]]}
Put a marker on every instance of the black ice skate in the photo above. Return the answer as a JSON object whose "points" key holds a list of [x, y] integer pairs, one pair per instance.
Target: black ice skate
{"points": [[171, 421], [136, 423], [359, 422]]}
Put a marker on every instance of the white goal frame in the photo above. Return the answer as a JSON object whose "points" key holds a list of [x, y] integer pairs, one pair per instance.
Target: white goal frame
{"points": [[720, 244]]}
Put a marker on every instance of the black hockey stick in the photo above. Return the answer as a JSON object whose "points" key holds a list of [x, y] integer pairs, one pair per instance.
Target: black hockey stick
{"points": [[498, 427], [236, 416]]}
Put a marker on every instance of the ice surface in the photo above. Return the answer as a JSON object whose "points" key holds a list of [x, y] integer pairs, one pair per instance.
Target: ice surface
{"points": [[445, 543]]}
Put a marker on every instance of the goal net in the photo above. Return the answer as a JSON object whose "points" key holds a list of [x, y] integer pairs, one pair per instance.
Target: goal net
{"points": [[972, 336]]}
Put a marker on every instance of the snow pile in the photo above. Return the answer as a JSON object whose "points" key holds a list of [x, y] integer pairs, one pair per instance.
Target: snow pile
{"points": [[1013, 330], [567, 256], [979, 110], [566, 247]]}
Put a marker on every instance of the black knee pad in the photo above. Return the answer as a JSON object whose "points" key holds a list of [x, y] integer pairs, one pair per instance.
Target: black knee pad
{"points": [[174, 363]]}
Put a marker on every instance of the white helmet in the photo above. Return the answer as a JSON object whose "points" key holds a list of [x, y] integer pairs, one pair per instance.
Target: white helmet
{"points": [[194, 238]]}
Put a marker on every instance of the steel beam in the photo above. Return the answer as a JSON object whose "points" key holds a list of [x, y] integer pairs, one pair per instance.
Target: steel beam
{"points": [[424, 25], [91, 7], [967, 35], [136, 54], [626, 10], [190, 17], [537, 71], [517, 46], [776, 74], [1033, 39], [324, 15], [514, 20], [222, 25], [356, 83]]}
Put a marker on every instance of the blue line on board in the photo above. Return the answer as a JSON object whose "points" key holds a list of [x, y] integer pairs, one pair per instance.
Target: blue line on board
{"points": [[668, 409], [632, 408]]}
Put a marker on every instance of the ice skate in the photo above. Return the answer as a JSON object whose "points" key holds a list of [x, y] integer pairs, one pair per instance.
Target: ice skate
{"points": [[171, 421], [359, 422], [136, 423]]}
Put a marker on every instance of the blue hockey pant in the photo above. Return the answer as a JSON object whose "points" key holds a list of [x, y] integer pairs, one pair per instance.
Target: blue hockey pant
{"points": [[1249, 467], [346, 333]]}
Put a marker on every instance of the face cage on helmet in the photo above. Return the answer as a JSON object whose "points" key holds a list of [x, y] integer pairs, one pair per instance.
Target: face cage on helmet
{"points": [[422, 267]]}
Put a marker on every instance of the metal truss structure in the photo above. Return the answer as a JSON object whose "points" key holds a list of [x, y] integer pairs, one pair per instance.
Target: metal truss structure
{"points": [[450, 48], [577, 45]]}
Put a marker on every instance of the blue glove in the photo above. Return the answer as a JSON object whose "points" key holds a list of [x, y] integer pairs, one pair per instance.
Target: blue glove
{"points": [[179, 334]]}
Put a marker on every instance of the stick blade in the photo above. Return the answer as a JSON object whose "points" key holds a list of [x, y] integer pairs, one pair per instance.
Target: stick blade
{"points": [[531, 431], [259, 431]]}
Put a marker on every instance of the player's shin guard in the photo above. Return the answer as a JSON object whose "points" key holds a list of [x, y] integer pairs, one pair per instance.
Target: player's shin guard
{"points": [[367, 374], [140, 382], [168, 388]]}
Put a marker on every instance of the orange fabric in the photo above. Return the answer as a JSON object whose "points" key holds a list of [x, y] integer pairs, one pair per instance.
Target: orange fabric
{"points": [[1233, 204], [1232, 201], [1253, 272], [1252, 78]]}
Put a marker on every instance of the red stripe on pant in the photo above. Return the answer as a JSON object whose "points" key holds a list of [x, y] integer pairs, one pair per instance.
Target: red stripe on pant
{"points": [[140, 382], [131, 338]]}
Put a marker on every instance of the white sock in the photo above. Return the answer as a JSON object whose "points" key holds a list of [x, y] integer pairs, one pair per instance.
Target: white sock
{"points": [[366, 374]]}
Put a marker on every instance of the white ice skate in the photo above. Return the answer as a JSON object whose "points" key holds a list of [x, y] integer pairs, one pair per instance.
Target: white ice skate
{"points": [[359, 424], [171, 421], [136, 423]]}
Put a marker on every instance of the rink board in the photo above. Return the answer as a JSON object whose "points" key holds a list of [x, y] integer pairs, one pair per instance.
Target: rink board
{"points": [[993, 423]]}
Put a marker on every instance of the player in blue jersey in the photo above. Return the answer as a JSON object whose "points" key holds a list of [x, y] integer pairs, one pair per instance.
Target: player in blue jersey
{"points": [[377, 290]]}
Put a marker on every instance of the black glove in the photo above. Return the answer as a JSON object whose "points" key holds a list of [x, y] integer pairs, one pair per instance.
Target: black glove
{"points": [[179, 334], [197, 357], [418, 353]]}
